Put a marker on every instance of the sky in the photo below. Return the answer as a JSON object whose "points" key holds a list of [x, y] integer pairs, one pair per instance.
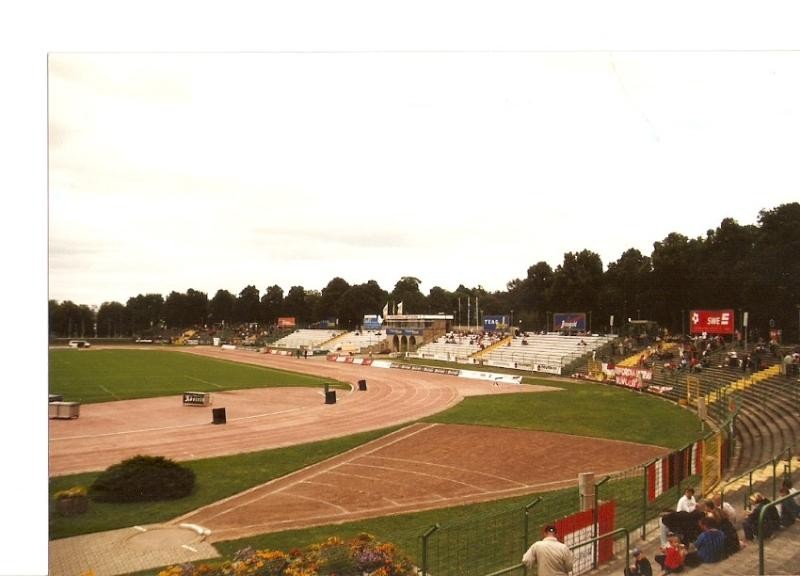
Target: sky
{"points": [[158, 146], [169, 171]]}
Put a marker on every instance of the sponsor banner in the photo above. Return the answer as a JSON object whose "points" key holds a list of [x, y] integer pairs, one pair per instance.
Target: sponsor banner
{"points": [[381, 363], [371, 322], [493, 323], [502, 363], [429, 369], [494, 377], [196, 398], [228, 347], [570, 321], [711, 321], [404, 331], [579, 527], [279, 352], [633, 377], [287, 322], [348, 359], [547, 368]]}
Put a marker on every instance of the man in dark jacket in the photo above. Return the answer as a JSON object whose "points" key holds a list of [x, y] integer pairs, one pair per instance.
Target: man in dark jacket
{"points": [[772, 521]]}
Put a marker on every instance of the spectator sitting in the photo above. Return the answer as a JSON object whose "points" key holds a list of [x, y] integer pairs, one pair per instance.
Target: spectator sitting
{"points": [[726, 508], [725, 526], [787, 483], [685, 524], [789, 508], [641, 565], [687, 503], [709, 546], [672, 559], [772, 521]]}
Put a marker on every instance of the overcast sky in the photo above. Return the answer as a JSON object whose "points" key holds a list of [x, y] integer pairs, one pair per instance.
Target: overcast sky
{"points": [[219, 170]]}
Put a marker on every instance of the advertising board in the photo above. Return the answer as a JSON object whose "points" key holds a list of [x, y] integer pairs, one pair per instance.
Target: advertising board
{"points": [[569, 322], [494, 323], [711, 321]]}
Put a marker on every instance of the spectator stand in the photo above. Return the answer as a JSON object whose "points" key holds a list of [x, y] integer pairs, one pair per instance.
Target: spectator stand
{"points": [[308, 338]]}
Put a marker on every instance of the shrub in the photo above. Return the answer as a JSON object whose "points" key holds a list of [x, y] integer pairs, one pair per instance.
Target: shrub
{"points": [[143, 479]]}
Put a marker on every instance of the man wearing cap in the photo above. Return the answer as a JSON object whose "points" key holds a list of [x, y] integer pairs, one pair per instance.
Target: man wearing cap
{"points": [[641, 565], [554, 558]]}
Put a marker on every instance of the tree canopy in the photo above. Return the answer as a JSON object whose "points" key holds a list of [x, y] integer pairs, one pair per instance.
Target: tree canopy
{"points": [[754, 268]]}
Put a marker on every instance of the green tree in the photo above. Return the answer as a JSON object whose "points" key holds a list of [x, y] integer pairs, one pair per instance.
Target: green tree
{"points": [[578, 282], [327, 307], [247, 307], [272, 305], [145, 313], [626, 287], [295, 304], [773, 292], [175, 310], [221, 307], [407, 291], [675, 267], [112, 320], [440, 300]]}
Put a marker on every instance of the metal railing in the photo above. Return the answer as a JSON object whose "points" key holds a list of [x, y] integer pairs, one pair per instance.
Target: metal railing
{"points": [[761, 516], [592, 540]]}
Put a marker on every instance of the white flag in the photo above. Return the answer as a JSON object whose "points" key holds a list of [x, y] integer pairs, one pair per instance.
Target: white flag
{"points": [[386, 310], [400, 308]]}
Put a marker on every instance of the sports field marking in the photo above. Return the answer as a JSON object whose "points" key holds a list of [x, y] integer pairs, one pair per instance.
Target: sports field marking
{"points": [[266, 494], [338, 486], [456, 468], [176, 427], [413, 472], [204, 381], [110, 392]]}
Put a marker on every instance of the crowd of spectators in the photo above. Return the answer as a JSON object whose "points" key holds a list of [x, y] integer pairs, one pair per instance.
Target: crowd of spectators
{"points": [[706, 531], [482, 339]]}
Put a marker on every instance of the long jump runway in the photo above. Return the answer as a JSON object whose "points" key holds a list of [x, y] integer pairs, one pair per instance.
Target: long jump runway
{"points": [[422, 466]]}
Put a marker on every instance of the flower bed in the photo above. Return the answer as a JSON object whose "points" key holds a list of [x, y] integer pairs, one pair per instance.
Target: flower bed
{"points": [[361, 556], [72, 501]]}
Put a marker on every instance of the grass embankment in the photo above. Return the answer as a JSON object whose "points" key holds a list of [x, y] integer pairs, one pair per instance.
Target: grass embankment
{"points": [[89, 376]]}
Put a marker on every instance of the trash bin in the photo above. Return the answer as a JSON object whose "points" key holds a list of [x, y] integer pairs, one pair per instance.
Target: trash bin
{"points": [[362, 384], [218, 415], [330, 397]]}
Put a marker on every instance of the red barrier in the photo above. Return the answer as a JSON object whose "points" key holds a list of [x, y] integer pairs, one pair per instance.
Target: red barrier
{"points": [[578, 528]]}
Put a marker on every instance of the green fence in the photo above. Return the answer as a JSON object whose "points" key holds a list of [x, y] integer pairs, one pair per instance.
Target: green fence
{"points": [[496, 543]]}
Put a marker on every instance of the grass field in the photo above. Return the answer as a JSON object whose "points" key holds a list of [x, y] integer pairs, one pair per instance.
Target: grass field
{"points": [[89, 376], [583, 409]]}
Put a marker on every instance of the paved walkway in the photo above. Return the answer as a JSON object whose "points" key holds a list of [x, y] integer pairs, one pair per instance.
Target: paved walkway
{"points": [[128, 550]]}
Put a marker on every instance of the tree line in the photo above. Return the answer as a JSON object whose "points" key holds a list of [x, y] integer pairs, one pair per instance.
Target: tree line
{"points": [[753, 268]]}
